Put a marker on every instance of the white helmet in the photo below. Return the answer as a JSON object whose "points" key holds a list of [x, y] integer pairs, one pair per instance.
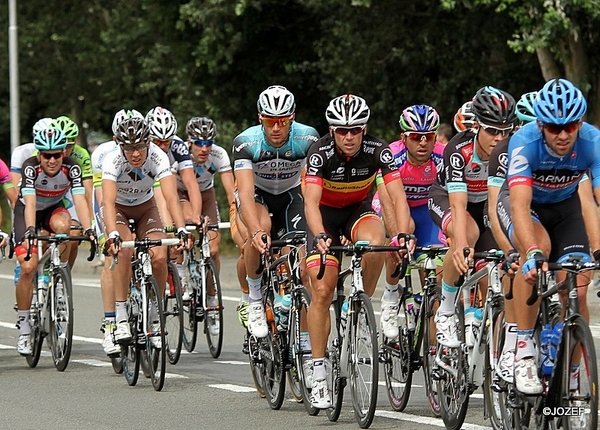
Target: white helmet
{"points": [[162, 122], [41, 125], [122, 115], [276, 101], [347, 110]]}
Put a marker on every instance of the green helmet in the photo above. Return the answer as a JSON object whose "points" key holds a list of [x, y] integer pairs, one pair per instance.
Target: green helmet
{"points": [[67, 126]]}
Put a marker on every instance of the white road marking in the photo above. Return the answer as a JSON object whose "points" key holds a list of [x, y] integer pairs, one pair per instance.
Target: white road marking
{"points": [[234, 388], [244, 363], [438, 422]]}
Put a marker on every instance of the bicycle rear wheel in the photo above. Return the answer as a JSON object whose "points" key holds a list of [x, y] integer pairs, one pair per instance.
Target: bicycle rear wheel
{"points": [[130, 355], [364, 365], [453, 390], [256, 364], [335, 381], [117, 364], [173, 315], [492, 395], [37, 339], [273, 366], [213, 317], [579, 377], [155, 334], [429, 350], [396, 356], [61, 318], [190, 320]]}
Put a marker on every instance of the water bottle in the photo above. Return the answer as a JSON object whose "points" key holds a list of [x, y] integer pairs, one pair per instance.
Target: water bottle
{"points": [[556, 339], [277, 309], [409, 305], [344, 317], [418, 300], [17, 273], [284, 312], [473, 319], [548, 355], [135, 300], [194, 270]]}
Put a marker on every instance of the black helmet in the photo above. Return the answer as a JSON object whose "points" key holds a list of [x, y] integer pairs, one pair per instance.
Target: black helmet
{"points": [[201, 128], [132, 131], [491, 105]]}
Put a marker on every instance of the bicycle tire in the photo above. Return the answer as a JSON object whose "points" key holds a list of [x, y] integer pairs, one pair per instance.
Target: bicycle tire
{"points": [[190, 320], [493, 349], [576, 340], [429, 348], [173, 315], [293, 354], [214, 316], [117, 364], [130, 355], [60, 336], [364, 339], [256, 365], [37, 338], [273, 369], [454, 393], [396, 355], [155, 349], [335, 382]]}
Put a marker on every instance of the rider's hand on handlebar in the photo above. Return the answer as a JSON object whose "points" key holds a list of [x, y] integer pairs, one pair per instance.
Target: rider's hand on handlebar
{"points": [[535, 258], [511, 263], [321, 242], [257, 241], [113, 243], [460, 260]]}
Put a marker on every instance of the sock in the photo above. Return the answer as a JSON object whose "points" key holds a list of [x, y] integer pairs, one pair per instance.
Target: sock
{"points": [[525, 347], [23, 318], [510, 337], [254, 286], [390, 294], [245, 297], [121, 311], [447, 301], [182, 273], [319, 370]]}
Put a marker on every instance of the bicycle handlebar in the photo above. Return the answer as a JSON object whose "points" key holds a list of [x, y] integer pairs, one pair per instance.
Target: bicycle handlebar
{"points": [[59, 238], [150, 242]]}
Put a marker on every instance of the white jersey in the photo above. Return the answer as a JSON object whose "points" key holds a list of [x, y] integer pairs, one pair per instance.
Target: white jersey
{"points": [[134, 185], [19, 155], [217, 161], [99, 154]]}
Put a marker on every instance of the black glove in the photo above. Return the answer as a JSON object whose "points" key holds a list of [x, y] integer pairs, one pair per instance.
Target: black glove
{"points": [[182, 235], [511, 257], [320, 236], [89, 233], [597, 255], [29, 233]]}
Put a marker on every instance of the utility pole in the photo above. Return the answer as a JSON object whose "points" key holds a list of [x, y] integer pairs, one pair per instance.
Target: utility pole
{"points": [[13, 62]]}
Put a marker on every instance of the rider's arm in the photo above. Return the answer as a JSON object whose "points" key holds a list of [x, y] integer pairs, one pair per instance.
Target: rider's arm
{"points": [[188, 177], [30, 210], [458, 207], [312, 197], [163, 209], [228, 185], [497, 232], [395, 189], [169, 188], [109, 199], [245, 180], [387, 209], [520, 203]]}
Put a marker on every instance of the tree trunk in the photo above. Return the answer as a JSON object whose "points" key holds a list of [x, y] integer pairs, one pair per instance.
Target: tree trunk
{"points": [[547, 63]]}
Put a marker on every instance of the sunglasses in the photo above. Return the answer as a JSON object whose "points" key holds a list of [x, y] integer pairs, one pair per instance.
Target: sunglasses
{"points": [[202, 142], [50, 155], [420, 136], [556, 129], [162, 142], [343, 131], [495, 131], [270, 122], [132, 148]]}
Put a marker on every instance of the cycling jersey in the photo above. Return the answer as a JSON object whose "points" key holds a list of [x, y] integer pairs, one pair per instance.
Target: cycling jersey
{"points": [[348, 180], [218, 161], [179, 155], [498, 165], [463, 170], [23, 152], [552, 178], [5, 178], [19, 155], [135, 185], [417, 179], [98, 158], [276, 170], [50, 190]]}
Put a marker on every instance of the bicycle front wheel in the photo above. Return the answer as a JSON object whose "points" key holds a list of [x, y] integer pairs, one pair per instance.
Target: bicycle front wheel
{"points": [[190, 309], [364, 364], [37, 338], [578, 377], [256, 364], [173, 315], [155, 334], [429, 351], [213, 318], [273, 366], [492, 394], [61, 318]]}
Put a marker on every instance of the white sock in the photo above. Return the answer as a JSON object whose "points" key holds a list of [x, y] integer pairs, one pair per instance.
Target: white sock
{"points": [[391, 294], [254, 286]]}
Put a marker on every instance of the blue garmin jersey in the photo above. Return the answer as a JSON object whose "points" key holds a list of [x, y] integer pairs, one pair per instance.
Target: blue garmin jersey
{"points": [[553, 178], [276, 170]]}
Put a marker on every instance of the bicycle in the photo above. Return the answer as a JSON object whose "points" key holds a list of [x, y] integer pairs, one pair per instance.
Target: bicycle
{"points": [[173, 314], [561, 405], [145, 315], [280, 352], [415, 348], [206, 301], [353, 350], [51, 312], [460, 371]]}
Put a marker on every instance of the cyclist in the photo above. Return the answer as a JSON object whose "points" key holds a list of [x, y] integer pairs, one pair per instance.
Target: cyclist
{"points": [[444, 133], [542, 215], [418, 156], [464, 119], [107, 286], [208, 158], [47, 176], [268, 161], [340, 173], [458, 195], [82, 157], [128, 176]]}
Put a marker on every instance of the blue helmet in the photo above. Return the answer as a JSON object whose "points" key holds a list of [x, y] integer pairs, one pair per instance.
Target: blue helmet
{"points": [[559, 102], [525, 111], [50, 139], [420, 119]]}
